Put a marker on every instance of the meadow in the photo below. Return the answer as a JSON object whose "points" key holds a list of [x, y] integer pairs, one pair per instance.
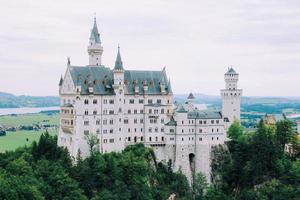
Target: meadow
{"points": [[13, 140], [20, 138], [29, 119]]}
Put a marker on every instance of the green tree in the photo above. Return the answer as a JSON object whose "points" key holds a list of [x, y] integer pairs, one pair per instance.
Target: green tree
{"points": [[235, 130], [200, 185]]}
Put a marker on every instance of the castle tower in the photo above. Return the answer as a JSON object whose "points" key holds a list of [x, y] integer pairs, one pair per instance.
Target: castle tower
{"points": [[95, 48], [231, 97], [119, 86]]}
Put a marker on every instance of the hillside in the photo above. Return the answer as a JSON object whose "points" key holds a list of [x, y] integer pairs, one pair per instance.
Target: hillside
{"points": [[8, 100]]}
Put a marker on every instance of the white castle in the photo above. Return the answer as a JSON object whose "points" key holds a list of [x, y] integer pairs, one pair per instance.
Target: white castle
{"points": [[124, 107]]}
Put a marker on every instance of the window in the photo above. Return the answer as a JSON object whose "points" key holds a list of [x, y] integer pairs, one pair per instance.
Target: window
{"points": [[150, 130], [159, 101], [162, 130], [141, 111], [135, 121], [150, 139], [104, 121], [86, 101], [150, 111], [141, 101], [135, 111], [111, 112], [128, 130], [105, 141], [156, 139], [111, 101], [105, 131], [217, 121], [149, 101], [111, 131], [156, 129], [125, 121], [95, 101], [162, 120], [200, 139], [200, 130], [95, 112], [204, 122], [171, 130], [131, 101], [104, 101], [181, 122], [86, 123], [128, 139], [162, 111], [105, 112], [85, 132], [141, 121], [111, 121], [129, 111], [86, 112], [212, 121]]}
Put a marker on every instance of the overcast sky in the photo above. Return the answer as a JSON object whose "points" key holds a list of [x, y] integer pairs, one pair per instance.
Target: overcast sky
{"points": [[196, 40]]}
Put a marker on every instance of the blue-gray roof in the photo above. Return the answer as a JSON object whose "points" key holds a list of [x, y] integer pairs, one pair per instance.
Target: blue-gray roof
{"points": [[181, 109], [231, 71], [100, 78], [94, 33], [119, 63], [172, 122], [204, 114]]}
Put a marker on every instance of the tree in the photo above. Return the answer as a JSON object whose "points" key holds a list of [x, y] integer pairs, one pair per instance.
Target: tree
{"points": [[93, 142], [284, 133], [200, 186], [235, 130]]}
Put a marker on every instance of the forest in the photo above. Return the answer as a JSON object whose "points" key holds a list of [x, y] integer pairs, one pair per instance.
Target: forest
{"points": [[260, 165]]}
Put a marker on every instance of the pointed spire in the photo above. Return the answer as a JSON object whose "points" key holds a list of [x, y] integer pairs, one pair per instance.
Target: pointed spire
{"points": [[95, 36], [61, 81], [69, 61], [119, 63]]}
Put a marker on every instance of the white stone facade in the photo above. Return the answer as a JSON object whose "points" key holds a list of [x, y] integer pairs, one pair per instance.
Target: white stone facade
{"points": [[123, 107]]}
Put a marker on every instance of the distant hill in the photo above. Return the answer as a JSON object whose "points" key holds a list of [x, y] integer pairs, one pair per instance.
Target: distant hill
{"points": [[8, 100], [216, 100]]}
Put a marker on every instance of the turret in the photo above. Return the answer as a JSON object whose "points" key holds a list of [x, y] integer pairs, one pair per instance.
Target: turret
{"points": [[191, 102], [95, 48], [118, 70]]}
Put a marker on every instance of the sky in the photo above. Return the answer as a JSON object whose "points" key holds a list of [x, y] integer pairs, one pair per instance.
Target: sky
{"points": [[196, 40]]}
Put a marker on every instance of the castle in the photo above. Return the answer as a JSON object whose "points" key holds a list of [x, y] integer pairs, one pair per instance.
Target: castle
{"points": [[124, 107]]}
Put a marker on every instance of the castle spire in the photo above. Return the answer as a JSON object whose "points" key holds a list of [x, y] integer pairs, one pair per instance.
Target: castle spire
{"points": [[95, 36], [95, 49], [119, 63]]}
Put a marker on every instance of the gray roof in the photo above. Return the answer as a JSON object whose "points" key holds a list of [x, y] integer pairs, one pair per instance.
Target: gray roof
{"points": [[61, 81], [204, 114], [191, 96], [231, 71], [172, 122], [100, 78], [94, 33], [119, 63], [181, 109]]}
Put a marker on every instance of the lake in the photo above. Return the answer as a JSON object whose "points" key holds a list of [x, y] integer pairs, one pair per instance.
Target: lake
{"points": [[9, 111]]}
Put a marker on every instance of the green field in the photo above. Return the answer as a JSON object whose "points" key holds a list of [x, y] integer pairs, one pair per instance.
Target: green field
{"points": [[13, 140], [28, 119]]}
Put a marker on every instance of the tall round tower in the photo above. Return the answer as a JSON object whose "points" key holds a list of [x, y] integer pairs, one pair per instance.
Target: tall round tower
{"points": [[231, 96], [95, 48]]}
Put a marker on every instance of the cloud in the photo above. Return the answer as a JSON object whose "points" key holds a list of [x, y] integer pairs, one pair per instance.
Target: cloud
{"points": [[195, 40]]}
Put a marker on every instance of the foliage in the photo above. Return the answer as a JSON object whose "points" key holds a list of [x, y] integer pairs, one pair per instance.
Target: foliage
{"points": [[46, 171], [256, 165]]}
